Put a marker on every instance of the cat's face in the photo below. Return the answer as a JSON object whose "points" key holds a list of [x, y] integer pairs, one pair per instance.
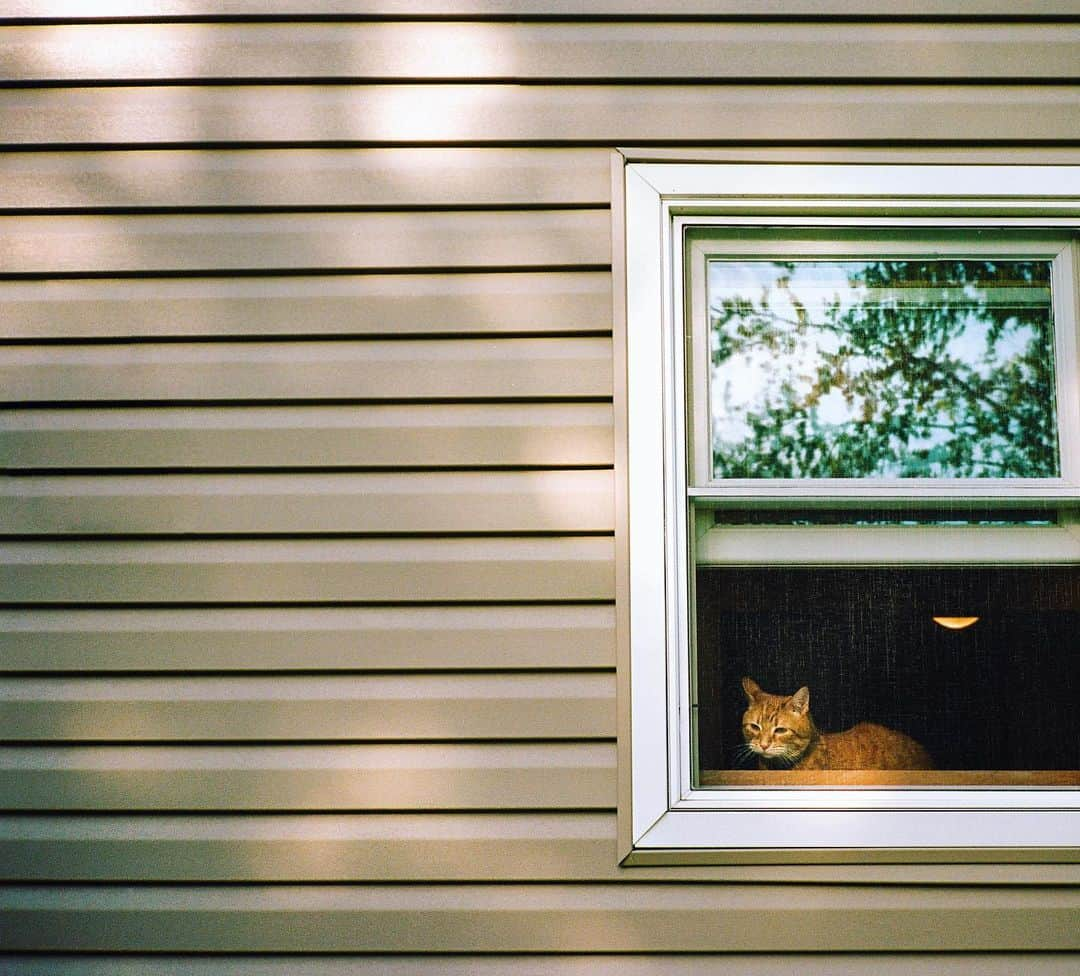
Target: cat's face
{"points": [[777, 728]]}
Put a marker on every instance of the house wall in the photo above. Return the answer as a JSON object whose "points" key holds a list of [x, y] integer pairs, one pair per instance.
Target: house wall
{"points": [[307, 633]]}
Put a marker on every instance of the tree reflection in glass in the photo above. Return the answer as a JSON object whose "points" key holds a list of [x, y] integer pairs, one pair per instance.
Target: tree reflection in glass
{"points": [[913, 368]]}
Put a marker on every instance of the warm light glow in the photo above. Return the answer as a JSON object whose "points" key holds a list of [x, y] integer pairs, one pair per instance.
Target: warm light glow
{"points": [[956, 623]]}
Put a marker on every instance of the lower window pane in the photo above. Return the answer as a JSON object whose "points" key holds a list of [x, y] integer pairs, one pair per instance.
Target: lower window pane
{"points": [[994, 700]]}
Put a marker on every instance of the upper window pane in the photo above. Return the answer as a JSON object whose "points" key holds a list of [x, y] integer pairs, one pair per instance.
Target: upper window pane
{"points": [[882, 368]]}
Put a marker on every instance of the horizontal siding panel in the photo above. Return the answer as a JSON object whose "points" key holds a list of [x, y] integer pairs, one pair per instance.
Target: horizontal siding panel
{"points": [[428, 847], [404, 51], [420, 435], [305, 177], [346, 305], [379, 847], [481, 113], [119, 244], [654, 964], [524, 501], [354, 708], [284, 639], [362, 370], [120, 9], [538, 918], [446, 776], [423, 570]]}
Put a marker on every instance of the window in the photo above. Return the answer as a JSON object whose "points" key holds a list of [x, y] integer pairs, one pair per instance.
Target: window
{"points": [[853, 467]]}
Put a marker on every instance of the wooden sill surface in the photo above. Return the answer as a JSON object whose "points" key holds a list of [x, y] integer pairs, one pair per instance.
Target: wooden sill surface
{"points": [[891, 777]]}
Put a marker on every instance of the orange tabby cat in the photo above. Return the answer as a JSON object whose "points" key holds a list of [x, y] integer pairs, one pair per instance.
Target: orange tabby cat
{"points": [[780, 731]]}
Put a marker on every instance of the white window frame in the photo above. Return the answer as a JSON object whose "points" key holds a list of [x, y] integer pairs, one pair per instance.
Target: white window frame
{"points": [[665, 818]]}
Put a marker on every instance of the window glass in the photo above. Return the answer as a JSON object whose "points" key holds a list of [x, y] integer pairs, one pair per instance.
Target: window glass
{"points": [[882, 368], [887, 367], [977, 664]]}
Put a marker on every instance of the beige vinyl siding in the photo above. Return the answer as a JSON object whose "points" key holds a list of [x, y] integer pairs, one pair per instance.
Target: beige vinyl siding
{"points": [[538, 917], [332, 639], [307, 565], [539, 51], [424, 435], [366, 178], [120, 245], [438, 570], [556, 113], [383, 504], [316, 777], [307, 707], [370, 304], [567, 368]]}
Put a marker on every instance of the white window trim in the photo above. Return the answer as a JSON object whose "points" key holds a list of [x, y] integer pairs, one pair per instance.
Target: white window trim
{"points": [[667, 819]]}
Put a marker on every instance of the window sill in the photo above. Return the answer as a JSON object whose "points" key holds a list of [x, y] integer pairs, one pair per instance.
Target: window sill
{"points": [[900, 777]]}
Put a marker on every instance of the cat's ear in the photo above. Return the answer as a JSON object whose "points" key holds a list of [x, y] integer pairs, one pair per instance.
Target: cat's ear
{"points": [[800, 701], [751, 687]]}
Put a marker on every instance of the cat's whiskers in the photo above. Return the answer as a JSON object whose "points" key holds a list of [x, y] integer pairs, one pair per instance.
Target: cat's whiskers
{"points": [[743, 754]]}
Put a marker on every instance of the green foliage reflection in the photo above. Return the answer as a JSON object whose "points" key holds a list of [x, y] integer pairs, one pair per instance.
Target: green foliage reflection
{"points": [[886, 368]]}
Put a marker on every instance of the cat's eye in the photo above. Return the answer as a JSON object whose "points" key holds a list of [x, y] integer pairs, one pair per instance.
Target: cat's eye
{"points": [[755, 726], [780, 730]]}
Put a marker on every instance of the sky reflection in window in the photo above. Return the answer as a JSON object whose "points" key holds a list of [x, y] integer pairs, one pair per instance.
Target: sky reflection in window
{"points": [[911, 368]]}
